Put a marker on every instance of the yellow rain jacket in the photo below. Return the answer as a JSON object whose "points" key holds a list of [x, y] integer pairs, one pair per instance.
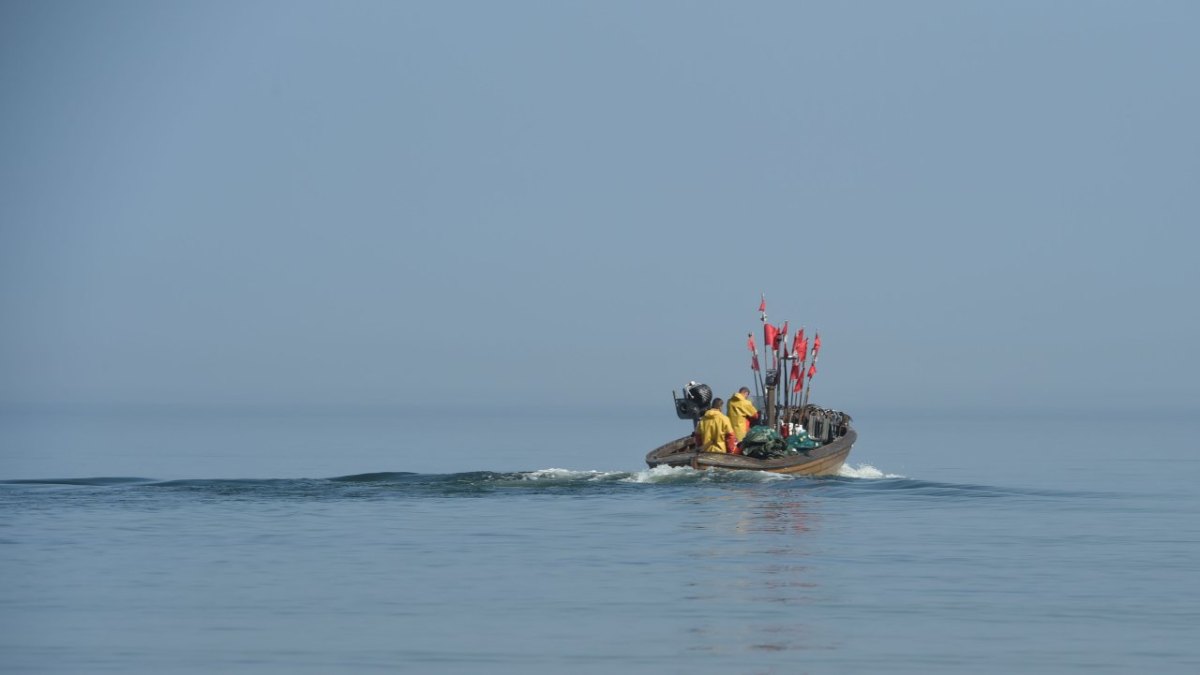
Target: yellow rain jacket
{"points": [[714, 432], [740, 411]]}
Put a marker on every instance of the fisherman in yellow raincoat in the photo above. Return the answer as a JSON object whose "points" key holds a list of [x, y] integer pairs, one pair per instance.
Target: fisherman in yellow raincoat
{"points": [[714, 433], [741, 412]]}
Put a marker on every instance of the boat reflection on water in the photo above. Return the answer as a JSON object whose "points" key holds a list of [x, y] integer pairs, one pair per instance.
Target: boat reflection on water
{"points": [[755, 556]]}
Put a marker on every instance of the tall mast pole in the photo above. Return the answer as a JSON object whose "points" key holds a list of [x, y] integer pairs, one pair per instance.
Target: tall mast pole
{"points": [[812, 370], [755, 367]]}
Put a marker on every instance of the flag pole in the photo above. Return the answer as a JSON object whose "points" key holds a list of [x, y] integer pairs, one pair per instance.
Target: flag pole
{"points": [[784, 375], [770, 338], [755, 368], [812, 370], [771, 383], [802, 353], [799, 352], [762, 316], [785, 378]]}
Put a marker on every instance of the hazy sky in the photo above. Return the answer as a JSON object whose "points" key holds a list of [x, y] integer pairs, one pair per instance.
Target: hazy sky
{"points": [[345, 203]]}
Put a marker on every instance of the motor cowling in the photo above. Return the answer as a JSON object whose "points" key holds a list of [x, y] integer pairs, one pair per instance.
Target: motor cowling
{"points": [[696, 399]]}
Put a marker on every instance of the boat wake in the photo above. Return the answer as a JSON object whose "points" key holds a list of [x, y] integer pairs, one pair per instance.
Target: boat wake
{"points": [[850, 481], [400, 481], [865, 472]]}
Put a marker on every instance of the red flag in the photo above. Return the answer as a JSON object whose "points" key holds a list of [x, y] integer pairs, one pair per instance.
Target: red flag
{"points": [[802, 349], [770, 335], [783, 331], [799, 385], [812, 370], [750, 343], [754, 361], [816, 344], [796, 374], [797, 349], [762, 306]]}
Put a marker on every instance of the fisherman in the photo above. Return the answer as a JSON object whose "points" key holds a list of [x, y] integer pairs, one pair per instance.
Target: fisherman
{"points": [[714, 432], [742, 413]]}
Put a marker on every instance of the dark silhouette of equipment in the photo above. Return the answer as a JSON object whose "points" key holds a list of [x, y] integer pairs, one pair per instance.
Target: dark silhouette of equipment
{"points": [[696, 399]]}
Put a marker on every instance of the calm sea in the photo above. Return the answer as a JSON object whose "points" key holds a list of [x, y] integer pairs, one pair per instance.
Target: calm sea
{"points": [[374, 541]]}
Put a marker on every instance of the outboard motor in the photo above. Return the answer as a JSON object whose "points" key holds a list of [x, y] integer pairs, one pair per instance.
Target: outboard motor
{"points": [[696, 399]]}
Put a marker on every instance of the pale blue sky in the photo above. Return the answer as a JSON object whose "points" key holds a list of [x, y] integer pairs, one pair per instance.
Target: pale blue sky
{"points": [[331, 203]]}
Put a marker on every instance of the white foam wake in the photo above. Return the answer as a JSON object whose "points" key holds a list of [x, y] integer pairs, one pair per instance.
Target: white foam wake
{"points": [[661, 474], [684, 474], [864, 471], [568, 474]]}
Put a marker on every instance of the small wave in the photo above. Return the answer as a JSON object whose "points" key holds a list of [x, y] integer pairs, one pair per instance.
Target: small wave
{"points": [[102, 481], [249, 483], [377, 477], [934, 491]]}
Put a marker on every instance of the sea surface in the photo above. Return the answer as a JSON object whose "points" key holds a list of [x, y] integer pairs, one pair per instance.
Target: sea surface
{"points": [[321, 541]]}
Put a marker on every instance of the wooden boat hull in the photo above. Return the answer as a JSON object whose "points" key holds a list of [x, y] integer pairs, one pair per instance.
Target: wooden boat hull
{"points": [[825, 460]]}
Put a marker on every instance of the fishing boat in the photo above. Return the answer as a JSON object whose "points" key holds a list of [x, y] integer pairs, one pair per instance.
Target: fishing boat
{"points": [[831, 428], [818, 440]]}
